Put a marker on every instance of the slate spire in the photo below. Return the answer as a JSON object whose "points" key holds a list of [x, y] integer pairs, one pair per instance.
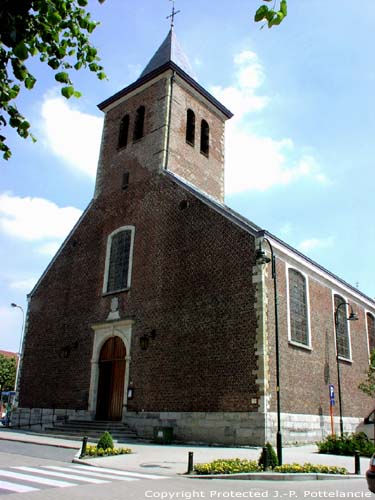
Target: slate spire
{"points": [[169, 51]]}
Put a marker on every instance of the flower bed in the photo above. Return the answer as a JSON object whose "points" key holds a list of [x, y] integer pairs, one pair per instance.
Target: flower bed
{"points": [[237, 465], [94, 451]]}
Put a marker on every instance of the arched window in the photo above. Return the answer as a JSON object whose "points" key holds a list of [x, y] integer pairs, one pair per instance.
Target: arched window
{"points": [[139, 123], [342, 333], [371, 330], [205, 138], [298, 314], [190, 127], [119, 260], [123, 132]]}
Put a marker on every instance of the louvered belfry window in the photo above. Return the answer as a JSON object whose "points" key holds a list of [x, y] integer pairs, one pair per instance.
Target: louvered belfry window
{"points": [[123, 132], [118, 270], [371, 330], [298, 308], [139, 123], [205, 138], [342, 333], [190, 127]]}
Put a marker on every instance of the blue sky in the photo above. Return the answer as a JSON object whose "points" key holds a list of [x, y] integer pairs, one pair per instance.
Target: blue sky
{"points": [[300, 150]]}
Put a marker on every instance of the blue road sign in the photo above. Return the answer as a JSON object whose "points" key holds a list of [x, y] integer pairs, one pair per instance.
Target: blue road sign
{"points": [[331, 394]]}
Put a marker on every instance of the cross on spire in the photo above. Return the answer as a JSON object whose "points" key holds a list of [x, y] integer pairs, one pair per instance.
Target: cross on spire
{"points": [[174, 13]]}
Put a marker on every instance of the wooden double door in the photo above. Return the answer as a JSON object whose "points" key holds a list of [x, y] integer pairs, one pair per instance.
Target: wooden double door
{"points": [[110, 395]]}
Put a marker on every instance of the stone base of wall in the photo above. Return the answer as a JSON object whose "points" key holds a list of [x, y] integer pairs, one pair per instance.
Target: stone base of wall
{"points": [[40, 418], [301, 428], [239, 429], [226, 428]]}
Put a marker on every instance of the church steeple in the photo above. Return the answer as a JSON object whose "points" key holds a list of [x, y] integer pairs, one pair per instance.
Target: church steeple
{"points": [[163, 121], [170, 51]]}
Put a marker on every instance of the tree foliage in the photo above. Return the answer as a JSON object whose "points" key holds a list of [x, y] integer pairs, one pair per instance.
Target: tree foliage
{"points": [[272, 15], [7, 373], [55, 31], [368, 386]]}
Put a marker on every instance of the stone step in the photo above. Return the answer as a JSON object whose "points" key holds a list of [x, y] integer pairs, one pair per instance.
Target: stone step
{"points": [[92, 429]]}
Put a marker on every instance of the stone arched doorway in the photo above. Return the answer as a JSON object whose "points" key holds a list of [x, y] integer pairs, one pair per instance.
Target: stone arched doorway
{"points": [[110, 394]]}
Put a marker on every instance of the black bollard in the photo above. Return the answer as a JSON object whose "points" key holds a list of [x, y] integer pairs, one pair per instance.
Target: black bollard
{"points": [[190, 462], [357, 463], [84, 445], [266, 458]]}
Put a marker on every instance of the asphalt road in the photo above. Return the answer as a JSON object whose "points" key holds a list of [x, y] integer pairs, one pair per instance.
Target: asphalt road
{"points": [[38, 472]]}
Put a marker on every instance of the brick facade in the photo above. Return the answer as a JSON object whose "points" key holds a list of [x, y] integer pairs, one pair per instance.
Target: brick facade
{"points": [[209, 369]]}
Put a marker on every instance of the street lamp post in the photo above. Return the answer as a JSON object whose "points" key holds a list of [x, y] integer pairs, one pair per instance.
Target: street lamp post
{"points": [[352, 317], [19, 348], [261, 258]]}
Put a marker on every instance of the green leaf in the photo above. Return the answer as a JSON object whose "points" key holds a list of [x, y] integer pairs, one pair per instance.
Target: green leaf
{"points": [[102, 76], [82, 3], [67, 92], [276, 20], [30, 82], [62, 77], [21, 51], [284, 7], [261, 13]]}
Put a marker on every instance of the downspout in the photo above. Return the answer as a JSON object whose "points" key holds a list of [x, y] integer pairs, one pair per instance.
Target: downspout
{"points": [[168, 122]]}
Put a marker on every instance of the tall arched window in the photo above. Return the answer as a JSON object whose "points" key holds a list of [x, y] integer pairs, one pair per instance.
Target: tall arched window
{"points": [[190, 127], [371, 330], [123, 132], [205, 138], [119, 260], [298, 313], [139, 123], [342, 333]]}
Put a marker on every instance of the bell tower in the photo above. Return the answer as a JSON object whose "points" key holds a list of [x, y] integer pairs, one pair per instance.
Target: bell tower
{"points": [[164, 120]]}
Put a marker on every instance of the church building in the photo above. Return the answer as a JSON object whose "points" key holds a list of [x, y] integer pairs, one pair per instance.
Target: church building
{"points": [[165, 308]]}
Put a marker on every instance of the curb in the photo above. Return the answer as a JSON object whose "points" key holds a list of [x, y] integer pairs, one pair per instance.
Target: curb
{"points": [[21, 439], [278, 476]]}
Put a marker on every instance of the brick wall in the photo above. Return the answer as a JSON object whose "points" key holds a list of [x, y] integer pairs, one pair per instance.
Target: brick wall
{"points": [[191, 282], [305, 374]]}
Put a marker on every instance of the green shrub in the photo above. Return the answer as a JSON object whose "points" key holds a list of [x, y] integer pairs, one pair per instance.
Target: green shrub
{"points": [[272, 458], [310, 468], [347, 444], [230, 466], [105, 441]]}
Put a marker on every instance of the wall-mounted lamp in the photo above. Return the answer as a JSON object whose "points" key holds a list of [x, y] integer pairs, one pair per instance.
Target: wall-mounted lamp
{"points": [[67, 349], [144, 341]]}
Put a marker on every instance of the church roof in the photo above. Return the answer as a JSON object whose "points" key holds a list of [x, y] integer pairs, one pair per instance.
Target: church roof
{"points": [[169, 51], [168, 56]]}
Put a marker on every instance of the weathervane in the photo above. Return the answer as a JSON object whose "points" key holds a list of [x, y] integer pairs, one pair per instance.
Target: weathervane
{"points": [[174, 13]]}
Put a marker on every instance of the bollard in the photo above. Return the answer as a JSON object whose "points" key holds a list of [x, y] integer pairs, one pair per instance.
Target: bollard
{"points": [[357, 463], [84, 445], [190, 462], [266, 458]]}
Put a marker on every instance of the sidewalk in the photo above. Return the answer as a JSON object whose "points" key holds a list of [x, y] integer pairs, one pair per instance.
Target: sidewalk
{"points": [[173, 459]]}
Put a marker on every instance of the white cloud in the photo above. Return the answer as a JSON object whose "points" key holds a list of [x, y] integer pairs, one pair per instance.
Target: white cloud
{"points": [[49, 249], [255, 162], [34, 219], [24, 285], [71, 135], [315, 243]]}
